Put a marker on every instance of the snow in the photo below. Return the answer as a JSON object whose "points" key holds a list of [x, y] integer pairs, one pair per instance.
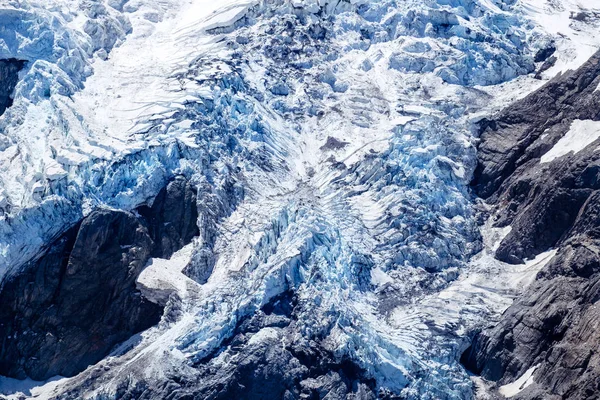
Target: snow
{"points": [[263, 335], [379, 277], [576, 41], [15, 389], [512, 389], [74, 136], [162, 278], [226, 15], [483, 290], [581, 134], [54, 170]]}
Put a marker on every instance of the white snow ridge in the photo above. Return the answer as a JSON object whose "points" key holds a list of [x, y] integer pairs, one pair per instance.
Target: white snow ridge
{"points": [[331, 143]]}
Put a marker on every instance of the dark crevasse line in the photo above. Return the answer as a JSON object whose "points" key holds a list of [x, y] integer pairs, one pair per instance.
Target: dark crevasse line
{"points": [[549, 202], [9, 76], [69, 307]]}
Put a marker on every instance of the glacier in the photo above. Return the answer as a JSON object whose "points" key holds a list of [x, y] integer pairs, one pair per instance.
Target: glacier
{"points": [[332, 145]]}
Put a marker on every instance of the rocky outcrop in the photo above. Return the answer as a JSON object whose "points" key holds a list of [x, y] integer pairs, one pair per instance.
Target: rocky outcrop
{"points": [[171, 219], [68, 308], [276, 363], [531, 126], [554, 327], [539, 200], [9, 76], [549, 203]]}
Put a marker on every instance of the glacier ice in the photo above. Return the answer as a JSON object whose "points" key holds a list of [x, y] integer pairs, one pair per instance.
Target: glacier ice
{"points": [[331, 145]]}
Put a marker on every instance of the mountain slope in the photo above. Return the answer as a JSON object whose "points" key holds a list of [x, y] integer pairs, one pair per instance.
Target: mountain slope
{"points": [[330, 148], [545, 189]]}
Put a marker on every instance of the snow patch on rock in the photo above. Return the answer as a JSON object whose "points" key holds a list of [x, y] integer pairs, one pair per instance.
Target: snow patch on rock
{"points": [[513, 389], [580, 135]]}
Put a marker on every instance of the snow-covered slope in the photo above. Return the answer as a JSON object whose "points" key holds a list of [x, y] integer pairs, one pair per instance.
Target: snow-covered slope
{"points": [[572, 25], [332, 148]]}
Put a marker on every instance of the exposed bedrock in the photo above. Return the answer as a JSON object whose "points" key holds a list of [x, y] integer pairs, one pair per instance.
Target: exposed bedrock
{"points": [[172, 218], [554, 325], [514, 137], [276, 362], [539, 199], [553, 329], [69, 307], [9, 76]]}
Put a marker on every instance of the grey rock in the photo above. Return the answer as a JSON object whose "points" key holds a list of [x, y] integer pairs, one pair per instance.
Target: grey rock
{"points": [[69, 307], [555, 324], [540, 201], [9, 76], [333, 144], [549, 63], [172, 218], [545, 53], [285, 366], [513, 138], [66, 310]]}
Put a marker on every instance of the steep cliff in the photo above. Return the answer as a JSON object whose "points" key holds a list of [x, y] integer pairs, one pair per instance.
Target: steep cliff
{"points": [[67, 308], [539, 167]]}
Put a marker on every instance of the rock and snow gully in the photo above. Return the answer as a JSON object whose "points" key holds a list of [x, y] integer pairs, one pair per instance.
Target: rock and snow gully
{"points": [[260, 199]]}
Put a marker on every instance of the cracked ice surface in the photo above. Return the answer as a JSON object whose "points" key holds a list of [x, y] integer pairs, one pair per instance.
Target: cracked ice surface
{"points": [[330, 142]]}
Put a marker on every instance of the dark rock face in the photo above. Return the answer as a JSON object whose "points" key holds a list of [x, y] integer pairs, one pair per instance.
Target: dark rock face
{"points": [[513, 138], [273, 370], [71, 306], [276, 369], [540, 201], [549, 63], [172, 218], [333, 144], [545, 53], [555, 325], [9, 76]]}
